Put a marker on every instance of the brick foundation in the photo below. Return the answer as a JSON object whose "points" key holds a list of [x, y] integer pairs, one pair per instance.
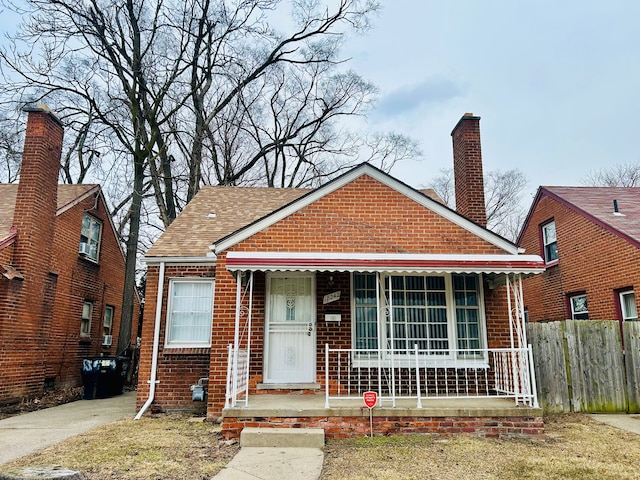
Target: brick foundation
{"points": [[352, 427]]}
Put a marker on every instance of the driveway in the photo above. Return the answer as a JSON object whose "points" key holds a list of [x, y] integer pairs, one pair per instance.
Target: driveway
{"points": [[30, 432]]}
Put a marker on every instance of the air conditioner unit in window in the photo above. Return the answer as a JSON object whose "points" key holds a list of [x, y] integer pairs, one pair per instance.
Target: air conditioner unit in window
{"points": [[84, 249], [106, 340]]}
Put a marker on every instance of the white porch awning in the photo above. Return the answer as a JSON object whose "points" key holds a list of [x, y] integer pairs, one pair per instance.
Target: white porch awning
{"points": [[383, 262]]}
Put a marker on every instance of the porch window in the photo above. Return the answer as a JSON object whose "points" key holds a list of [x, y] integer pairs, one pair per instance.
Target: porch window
{"points": [[439, 313], [189, 313], [628, 306]]}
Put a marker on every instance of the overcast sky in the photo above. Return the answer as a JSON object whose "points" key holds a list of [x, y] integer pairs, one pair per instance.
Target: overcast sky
{"points": [[556, 83]]}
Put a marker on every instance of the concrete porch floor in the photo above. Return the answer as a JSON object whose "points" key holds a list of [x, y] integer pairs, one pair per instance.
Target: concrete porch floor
{"points": [[313, 405]]}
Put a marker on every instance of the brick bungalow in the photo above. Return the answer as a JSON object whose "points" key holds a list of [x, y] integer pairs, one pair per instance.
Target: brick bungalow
{"points": [[61, 271], [281, 307], [589, 238]]}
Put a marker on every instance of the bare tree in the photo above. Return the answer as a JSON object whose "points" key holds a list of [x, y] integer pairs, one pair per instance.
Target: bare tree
{"points": [[620, 175], [503, 198], [161, 86], [10, 151]]}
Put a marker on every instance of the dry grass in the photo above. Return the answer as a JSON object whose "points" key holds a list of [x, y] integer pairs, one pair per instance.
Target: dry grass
{"points": [[159, 447], [176, 447], [576, 447]]}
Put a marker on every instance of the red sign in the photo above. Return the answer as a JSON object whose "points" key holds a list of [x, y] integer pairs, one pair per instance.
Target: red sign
{"points": [[370, 399]]}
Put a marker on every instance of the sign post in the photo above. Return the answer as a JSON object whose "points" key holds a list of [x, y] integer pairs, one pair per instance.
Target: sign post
{"points": [[370, 399]]}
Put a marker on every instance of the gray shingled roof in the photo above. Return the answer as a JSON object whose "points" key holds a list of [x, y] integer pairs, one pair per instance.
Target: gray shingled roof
{"points": [[67, 194], [191, 234], [597, 203]]}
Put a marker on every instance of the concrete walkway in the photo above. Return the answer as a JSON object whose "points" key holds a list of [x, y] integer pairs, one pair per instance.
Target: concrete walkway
{"points": [[273, 463], [623, 421], [30, 432]]}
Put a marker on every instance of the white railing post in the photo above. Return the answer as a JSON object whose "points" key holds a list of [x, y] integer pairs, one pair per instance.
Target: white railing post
{"points": [[326, 375], [229, 363], [415, 347]]}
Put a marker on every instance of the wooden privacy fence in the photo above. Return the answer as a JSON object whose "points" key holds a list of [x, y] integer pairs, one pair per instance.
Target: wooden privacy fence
{"points": [[581, 365]]}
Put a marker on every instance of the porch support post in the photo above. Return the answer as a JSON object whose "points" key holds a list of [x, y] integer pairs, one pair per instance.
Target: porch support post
{"points": [[512, 321], [236, 340], [381, 320], [249, 317], [391, 327]]}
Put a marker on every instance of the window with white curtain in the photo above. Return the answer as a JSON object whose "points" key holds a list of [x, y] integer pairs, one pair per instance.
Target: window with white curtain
{"points": [[190, 312], [628, 306]]}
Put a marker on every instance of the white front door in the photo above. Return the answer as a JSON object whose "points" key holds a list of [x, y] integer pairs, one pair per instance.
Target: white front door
{"points": [[290, 343]]}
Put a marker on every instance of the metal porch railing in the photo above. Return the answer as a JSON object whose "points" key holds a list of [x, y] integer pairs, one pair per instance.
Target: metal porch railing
{"points": [[419, 374]]}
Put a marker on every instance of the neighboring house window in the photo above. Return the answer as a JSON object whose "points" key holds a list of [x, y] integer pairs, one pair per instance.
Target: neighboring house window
{"points": [[90, 237], [107, 326], [189, 313], [628, 306], [579, 309], [438, 313], [549, 242], [85, 323]]}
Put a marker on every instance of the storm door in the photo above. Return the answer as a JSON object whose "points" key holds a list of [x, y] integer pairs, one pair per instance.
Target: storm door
{"points": [[290, 346]]}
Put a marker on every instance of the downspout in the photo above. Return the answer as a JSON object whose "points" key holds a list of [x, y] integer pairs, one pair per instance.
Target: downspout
{"points": [[156, 345]]}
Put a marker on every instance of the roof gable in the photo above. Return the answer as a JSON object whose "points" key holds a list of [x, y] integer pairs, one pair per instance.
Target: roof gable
{"points": [[350, 176], [68, 196], [597, 205]]}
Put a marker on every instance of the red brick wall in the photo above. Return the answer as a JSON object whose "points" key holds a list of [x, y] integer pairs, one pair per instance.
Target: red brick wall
{"points": [[591, 259], [354, 427], [362, 216], [40, 315], [178, 369], [24, 329]]}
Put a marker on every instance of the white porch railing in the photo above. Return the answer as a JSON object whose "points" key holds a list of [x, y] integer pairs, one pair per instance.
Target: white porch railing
{"points": [[237, 378], [421, 374]]}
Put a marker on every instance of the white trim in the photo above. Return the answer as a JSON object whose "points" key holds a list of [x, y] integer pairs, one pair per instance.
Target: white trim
{"points": [[364, 169], [168, 317], [178, 261]]}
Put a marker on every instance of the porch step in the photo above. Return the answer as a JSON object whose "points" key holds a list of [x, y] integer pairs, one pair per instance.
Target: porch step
{"points": [[282, 437]]}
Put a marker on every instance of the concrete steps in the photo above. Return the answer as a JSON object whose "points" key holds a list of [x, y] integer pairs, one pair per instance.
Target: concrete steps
{"points": [[282, 437]]}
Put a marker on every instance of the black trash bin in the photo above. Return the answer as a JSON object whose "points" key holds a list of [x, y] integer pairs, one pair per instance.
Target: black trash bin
{"points": [[103, 377]]}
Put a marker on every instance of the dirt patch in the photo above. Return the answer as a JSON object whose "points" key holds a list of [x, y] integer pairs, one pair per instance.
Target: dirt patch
{"points": [[50, 398]]}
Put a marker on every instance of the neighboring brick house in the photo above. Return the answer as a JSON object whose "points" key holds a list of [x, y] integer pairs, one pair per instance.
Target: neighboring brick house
{"points": [[589, 238], [257, 295], [61, 271]]}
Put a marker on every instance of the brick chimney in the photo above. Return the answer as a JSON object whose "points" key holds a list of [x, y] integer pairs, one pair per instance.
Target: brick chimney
{"points": [[467, 169], [34, 218], [36, 200]]}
